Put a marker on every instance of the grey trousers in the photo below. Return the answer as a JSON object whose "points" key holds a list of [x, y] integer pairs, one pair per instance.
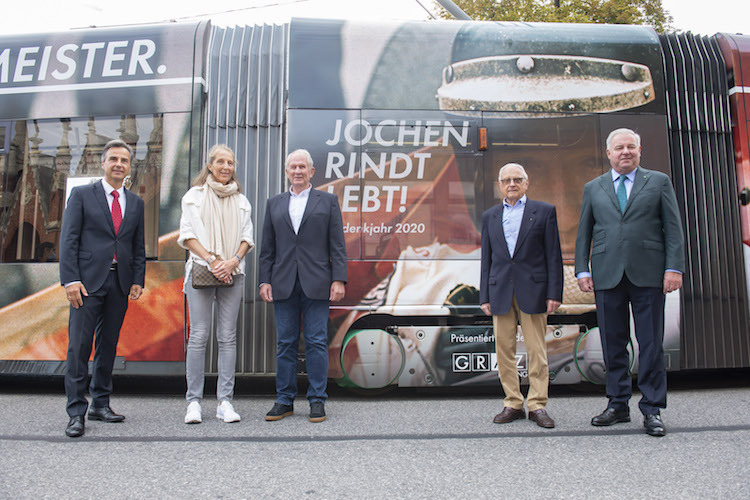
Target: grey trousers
{"points": [[200, 302]]}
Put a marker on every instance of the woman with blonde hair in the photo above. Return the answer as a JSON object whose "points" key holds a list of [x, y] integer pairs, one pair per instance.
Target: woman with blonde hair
{"points": [[217, 229]]}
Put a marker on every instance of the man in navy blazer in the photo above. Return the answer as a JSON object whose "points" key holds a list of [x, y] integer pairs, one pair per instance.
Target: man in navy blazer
{"points": [[521, 282], [302, 269], [630, 230], [102, 263]]}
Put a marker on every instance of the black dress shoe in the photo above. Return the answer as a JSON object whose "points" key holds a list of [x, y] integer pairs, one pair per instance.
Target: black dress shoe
{"points": [[611, 416], [76, 427], [279, 411], [317, 411], [104, 414], [654, 426]]}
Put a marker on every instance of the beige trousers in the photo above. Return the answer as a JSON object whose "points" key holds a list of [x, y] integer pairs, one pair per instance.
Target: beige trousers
{"points": [[534, 328]]}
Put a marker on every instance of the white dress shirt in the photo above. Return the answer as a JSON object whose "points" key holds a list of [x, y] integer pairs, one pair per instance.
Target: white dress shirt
{"points": [[297, 205], [108, 194]]}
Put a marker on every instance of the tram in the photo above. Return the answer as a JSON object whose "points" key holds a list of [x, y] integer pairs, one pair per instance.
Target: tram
{"points": [[408, 124]]}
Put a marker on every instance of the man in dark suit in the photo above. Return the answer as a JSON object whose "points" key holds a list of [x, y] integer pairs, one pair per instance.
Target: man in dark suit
{"points": [[630, 226], [521, 282], [102, 263], [302, 269]]}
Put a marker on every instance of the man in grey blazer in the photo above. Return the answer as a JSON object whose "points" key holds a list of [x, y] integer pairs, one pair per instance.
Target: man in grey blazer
{"points": [[630, 227], [302, 269], [102, 263]]}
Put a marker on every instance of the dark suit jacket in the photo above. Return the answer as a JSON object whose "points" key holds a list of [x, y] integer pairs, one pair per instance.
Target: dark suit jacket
{"points": [[534, 273], [641, 243], [88, 241], [317, 253]]}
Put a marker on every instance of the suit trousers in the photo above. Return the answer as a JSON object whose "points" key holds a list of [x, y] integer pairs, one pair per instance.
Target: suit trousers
{"points": [[312, 316], [534, 328], [613, 315], [200, 305], [100, 318]]}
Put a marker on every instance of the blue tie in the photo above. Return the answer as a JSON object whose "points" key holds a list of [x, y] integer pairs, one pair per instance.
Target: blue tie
{"points": [[622, 194]]}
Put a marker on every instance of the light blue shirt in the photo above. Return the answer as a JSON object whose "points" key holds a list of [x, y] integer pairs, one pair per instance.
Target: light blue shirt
{"points": [[629, 180], [512, 217]]}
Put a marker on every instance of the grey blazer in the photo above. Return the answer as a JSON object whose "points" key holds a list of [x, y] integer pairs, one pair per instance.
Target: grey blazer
{"points": [[317, 253], [641, 243]]}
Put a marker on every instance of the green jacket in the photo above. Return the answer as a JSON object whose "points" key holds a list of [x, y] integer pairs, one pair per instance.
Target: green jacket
{"points": [[642, 243]]}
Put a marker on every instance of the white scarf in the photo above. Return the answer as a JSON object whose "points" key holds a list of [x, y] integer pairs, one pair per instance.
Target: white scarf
{"points": [[220, 213]]}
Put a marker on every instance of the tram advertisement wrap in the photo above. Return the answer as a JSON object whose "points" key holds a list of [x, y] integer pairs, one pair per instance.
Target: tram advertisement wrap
{"points": [[395, 118], [133, 84]]}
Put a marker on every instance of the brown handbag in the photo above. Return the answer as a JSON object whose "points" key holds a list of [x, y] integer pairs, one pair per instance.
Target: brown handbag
{"points": [[202, 277]]}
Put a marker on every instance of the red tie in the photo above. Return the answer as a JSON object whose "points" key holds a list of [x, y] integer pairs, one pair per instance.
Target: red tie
{"points": [[116, 211], [116, 214]]}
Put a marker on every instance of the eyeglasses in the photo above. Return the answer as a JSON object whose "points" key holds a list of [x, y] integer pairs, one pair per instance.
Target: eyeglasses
{"points": [[514, 180]]}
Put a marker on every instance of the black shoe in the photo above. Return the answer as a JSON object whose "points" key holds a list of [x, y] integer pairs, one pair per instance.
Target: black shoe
{"points": [[654, 426], [317, 411], [76, 427], [279, 411], [611, 416], [104, 414]]}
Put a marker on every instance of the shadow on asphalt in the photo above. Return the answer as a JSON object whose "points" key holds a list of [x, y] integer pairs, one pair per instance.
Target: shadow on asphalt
{"points": [[263, 386]]}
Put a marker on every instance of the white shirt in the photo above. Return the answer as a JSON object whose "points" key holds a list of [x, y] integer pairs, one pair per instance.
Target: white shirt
{"points": [[108, 194], [297, 205], [191, 226]]}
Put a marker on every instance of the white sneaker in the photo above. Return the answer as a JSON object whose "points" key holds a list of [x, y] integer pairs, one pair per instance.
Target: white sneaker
{"points": [[194, 414], [225, 411]]}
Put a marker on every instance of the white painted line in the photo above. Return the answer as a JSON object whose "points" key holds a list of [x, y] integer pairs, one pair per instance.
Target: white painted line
{"points": [[102, 85]]}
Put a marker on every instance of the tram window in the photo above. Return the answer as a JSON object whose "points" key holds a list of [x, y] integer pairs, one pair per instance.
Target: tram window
{"points": [[37, 159]]}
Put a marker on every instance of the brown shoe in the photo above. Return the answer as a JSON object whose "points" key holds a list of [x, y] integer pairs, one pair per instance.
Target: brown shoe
{"points": [[542, 419], [509, 415]]}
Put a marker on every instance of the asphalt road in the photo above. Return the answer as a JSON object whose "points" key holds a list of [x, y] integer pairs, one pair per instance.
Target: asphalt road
{"points": [[406, 444]]}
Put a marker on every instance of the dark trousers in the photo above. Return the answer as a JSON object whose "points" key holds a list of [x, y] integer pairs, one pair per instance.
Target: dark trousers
{"points": [[312, 315], [614, 327], [99, 318]]}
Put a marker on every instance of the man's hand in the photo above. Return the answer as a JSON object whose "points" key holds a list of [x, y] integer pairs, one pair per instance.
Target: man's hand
{"points": [[552, 305], [266, 293], [135, 292], [75, 293], [337, 291], [586, 284], [672, 281], [486, 309]]}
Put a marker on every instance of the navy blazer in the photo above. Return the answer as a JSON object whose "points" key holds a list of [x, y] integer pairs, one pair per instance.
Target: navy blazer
{"points": [[88, 241], [534, 273], [317, 253]]}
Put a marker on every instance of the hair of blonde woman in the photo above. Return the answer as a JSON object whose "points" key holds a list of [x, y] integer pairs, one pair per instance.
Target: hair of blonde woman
{"points": [[212, 154]]}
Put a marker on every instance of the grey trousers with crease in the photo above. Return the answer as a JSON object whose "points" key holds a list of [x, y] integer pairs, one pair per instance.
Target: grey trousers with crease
{"points": [[200, 303]]}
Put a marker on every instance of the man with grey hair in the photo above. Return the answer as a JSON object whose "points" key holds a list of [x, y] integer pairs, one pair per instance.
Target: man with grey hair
{"points": [[521, 282], [302, 270], [102, 264], [630, 231]]}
